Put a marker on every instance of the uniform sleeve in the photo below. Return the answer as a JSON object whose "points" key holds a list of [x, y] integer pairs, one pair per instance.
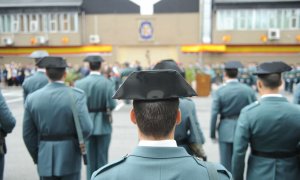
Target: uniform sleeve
{"points": [[84, 117], [30, 133], [111, 102], [240, 145], [297, 95], [253, 96], [25, 92], [214, 114], [7, 120], [195, 129]]}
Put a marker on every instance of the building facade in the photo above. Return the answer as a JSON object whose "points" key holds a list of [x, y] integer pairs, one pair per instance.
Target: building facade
{"points": [[190, 31]]}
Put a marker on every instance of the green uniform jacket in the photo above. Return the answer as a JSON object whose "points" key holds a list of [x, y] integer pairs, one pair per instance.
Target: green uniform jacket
{"points": [[189, 129], [228, 101], [7, 121], [33, 83], [99, 91], [296, 99], [270, 125], [48, 112], [159, 163]]}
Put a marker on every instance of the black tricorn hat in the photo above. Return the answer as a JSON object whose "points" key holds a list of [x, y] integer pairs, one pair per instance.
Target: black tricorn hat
{"points": [[272, 67], [93, 59], [167, 64], [154, 85], [52, 62], [233, 65]]}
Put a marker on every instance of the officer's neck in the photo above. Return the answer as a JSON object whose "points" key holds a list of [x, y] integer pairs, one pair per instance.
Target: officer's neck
{"points": [[152, 138], [265, 91]]}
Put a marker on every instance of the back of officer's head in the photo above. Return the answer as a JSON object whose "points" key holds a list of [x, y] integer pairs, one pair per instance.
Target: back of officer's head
{"points": [[55, 67], [271, 81], [55, 74], [155, 96], [231, 73], [269, 74], [94, 62], [156, 118], [231, 69]]}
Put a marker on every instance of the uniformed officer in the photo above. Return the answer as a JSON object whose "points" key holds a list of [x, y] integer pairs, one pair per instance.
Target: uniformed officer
{"points": [[155, 112], [296, 98], [49, 130], [99, 91], [188, 133], [228, 101], [38, 79], [7, 123], [271, 127]]}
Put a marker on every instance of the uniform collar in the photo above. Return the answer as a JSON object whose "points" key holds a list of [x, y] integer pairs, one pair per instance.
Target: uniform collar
{"points": [[271, 95], [160, 152], [95, 73], [162, 143], [231, 80], [41, 70]]}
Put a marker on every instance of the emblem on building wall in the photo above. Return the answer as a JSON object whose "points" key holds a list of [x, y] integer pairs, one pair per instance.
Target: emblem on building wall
{"points": [[146, 30]]}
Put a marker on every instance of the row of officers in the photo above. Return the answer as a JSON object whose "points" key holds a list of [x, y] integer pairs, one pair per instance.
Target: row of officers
{"points": [[61, 124], [247, 76]]}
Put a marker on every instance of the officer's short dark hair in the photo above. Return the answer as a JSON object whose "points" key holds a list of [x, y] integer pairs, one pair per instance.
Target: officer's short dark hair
{"points": [[55, 74], [231, 73], [156, 118], [95, 66], [271, 81]]}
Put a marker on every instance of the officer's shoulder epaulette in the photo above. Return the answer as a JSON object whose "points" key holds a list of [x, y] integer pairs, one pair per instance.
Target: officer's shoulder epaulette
{"points": [[109, 166], [77, 90], [199, 161], [213, 168], [251, 106]]}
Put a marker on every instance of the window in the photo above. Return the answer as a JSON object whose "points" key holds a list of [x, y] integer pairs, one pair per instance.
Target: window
{"points": [[24, 23], [74, 22], [53, 23], [272, 14], [6, 23], [294, 19], [44, 23], [15, 23], [65, 22], [258, 19], [33, 23], [1, 24], [242, 20]]}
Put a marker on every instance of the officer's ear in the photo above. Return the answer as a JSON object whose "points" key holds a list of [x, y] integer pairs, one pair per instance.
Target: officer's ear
{"points": [[132, 116], [178, 117], [259, 84], [65, 74]]}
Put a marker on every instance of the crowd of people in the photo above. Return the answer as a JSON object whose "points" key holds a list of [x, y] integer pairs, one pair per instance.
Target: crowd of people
{"points": [[61, 124]]}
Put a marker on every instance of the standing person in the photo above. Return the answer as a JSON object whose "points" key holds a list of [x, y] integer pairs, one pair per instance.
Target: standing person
{"points": [[188, 133], [38, 79], [271, 127], [156, 113], [49, 129], [99, 91], [125, 72], [7, 123], [228, 101]]}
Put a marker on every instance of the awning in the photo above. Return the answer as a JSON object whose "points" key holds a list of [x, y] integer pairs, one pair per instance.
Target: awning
{"points": [[64, 51]]}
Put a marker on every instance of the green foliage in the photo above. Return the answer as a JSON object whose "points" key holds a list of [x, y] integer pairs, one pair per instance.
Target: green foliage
{"points": [[190, 74], [71, 77]]}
